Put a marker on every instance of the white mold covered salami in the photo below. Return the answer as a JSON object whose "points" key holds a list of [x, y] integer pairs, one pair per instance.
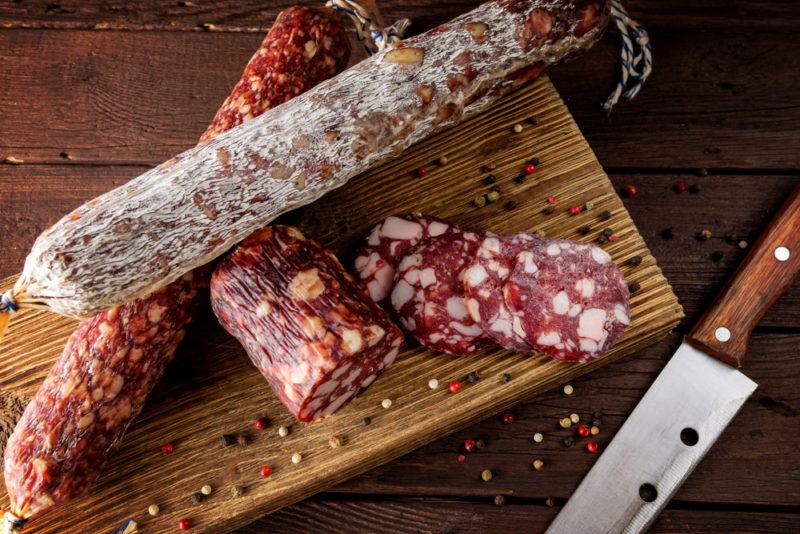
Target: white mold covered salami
{"points": [[314, 334], [570, 297], [428, 294], [387, 244], [192, 208], [484, 280]]}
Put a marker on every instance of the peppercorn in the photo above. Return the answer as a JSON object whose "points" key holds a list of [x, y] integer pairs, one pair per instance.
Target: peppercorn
{"points": [[489, 179], [550, 502], [568, 441], [540, 232], [167, 448], [237, 491], [574, 209], [605, 215], [574, 417], [583, 430], [283, 431], [443, 160], [206, 490], [694, 188], [473, 377], [226, 440], [667, 233], [510, 205], [549, 210], [533, 120], [454, 386], [433, 383], [538, 437], [607, 232], [602, 239], [492, 196], [585, 229], [335, 442], [517, 128], [520, 178], [261, 423], [490, 166], [184, 524], [499, 500], [486, 475], [366, 421], [565, 422], [613, 238], [703, 172], [680, 186], [597, 415], [742, 244], [594, 430], [704, 235], [538, 464], [530, 168], [386, 403], [634, 287], [592, 446], [479, 444], [635, 261], [534, 161], [717, 255], [479, 202], [265, 471], [597, 421], [552, 200], [506, 378], [588, 205], [461, 458], [153, 510], [197, 497], [508, 418], [568, 389], [422, 171], [630, 190], [469, 445], [297, 458]]}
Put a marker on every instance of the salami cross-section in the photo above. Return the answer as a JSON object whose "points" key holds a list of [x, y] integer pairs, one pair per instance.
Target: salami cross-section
{"points": [[387, 244], [570, 297], [314, 334], [428, 294]]}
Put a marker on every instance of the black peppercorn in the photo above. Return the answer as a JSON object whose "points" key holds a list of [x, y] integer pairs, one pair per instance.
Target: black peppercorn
{"points": [[568, 441], [506, 378], [549, 210], [510, 205], [716, 255], [520, 178], [596, 422], [608, 232], [602, 239], [606, 215], [473, 377], [197, 497], [694, 188], [490, 179], [634, 287], [635, 261], [585, 229], [667, 233], [534, 161], [533, 120], [366, 421]]}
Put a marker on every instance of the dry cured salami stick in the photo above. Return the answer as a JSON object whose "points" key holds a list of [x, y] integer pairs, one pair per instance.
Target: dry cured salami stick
{"points": [[113, 360], [192, 208], [311, 330]]}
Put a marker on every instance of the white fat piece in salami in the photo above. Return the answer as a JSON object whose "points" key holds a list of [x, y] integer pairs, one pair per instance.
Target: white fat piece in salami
{"points": [[570, 297], [388, 242], [483, 284], [428, 294]]}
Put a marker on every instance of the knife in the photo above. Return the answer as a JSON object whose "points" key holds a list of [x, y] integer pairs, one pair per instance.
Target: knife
{"points": [[692, 400]]}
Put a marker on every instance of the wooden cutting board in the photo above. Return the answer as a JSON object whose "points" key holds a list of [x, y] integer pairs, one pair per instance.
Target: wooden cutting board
{"points": [[212, 389]]}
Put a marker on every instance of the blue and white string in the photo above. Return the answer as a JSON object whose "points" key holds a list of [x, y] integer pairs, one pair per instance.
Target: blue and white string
{"points": [[13, 523], [636, 56], [7, 303], [368, 30]]}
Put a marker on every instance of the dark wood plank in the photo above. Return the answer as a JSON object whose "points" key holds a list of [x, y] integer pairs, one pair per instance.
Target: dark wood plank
{"points": [[253, 15], [376, 517], [753, 463], [141, 97], [728, 205]]}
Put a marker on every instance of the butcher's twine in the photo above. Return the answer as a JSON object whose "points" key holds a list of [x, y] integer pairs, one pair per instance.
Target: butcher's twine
{"points": [[13, 523], [7, 303], [636, 57], [369, 32]]}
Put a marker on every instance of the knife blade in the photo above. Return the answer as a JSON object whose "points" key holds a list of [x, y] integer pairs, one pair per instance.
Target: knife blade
{"points": [[692, 400]]}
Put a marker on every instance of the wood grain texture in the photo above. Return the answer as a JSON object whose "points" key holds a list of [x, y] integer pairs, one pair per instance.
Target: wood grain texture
{"points": [[213, 389], [770, 268], [142, 97]]}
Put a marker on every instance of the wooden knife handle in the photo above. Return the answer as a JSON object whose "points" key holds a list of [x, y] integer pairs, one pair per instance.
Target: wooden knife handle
{"points": [[765, 274]]}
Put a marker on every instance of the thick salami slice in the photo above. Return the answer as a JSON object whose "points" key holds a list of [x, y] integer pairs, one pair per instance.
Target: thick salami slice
{"points": [[311, 330], [194, 207], [428, 294], [570, 297], [51, 458], [388, 243], [484, 280]]}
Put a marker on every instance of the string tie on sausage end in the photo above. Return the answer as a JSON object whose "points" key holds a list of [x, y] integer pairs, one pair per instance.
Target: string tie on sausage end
{"points": [[13, 524], [7, 307], [366, 21], [636, 57]]}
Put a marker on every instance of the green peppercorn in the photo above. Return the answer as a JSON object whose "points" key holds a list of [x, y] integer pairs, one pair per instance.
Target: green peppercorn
{"points": [[588, 205], [492, 196], [486, 475], [479, 202], [237, 490], [704, 235]]}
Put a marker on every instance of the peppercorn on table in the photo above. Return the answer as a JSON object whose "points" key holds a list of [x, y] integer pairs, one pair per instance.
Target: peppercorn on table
{"points": [[105, 103]]}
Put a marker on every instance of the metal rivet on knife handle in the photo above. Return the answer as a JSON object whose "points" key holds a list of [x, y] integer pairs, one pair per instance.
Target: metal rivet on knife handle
{"points": [[722, 334], [782, 254]]}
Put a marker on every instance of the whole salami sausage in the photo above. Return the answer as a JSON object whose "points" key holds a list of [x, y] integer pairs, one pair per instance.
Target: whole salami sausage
{"points": [[113, 360], [192, 208], [314, 334]]}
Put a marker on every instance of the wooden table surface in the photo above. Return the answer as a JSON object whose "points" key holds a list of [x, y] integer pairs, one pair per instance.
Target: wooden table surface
{"points": [[94, 92]]}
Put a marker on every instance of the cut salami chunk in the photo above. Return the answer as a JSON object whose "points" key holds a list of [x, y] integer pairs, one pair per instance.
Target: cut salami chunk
{"points": [[483, 282], [428, 294], [388, 243], [570, 297], [314, 334]]}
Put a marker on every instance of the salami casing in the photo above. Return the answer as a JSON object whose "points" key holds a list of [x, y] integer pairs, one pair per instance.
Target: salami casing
{"points": [[387, 244], [571, 299], [192, 208], [428, 294], [113, 360], [311, 330]]}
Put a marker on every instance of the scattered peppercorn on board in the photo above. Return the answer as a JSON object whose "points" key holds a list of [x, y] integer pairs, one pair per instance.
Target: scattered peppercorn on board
{"points": [[212, 390]]}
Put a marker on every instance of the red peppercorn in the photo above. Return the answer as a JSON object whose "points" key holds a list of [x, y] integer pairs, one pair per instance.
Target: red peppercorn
{"points": [[184, 523], [265, 471], [455, 386], [422, 171], [508, 418], [469, 445], [552, 200], [613, 237], [630, 190], [575, 209], [167, 448], [591, 446], [583, 431], [261, 423], [530, 168], [461, 458], [680, 186]]}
